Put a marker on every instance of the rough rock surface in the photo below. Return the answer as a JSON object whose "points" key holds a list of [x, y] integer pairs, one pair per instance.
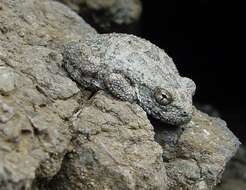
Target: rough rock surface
{"points": [[191, 157], [36, 96], [114, 150], [55, 135], [234, 177], [196, 154], [109, 15]]}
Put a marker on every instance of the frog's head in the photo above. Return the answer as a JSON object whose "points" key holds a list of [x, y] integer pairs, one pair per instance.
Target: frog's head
{"points": [[170, 104]]}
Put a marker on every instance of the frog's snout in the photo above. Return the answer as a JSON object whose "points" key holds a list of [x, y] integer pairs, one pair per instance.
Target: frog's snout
{"points": [[186, 116]]}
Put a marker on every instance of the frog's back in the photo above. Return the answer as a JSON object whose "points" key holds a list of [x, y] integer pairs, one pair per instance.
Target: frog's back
{"points": [[90, 61], [137, 58]]}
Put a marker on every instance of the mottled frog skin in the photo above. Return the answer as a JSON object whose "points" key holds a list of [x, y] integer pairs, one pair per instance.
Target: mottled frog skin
{"points": [[132, 69]]}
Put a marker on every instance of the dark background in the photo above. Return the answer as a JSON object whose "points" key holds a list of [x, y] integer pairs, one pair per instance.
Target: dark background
{"points": [[205, 40]]}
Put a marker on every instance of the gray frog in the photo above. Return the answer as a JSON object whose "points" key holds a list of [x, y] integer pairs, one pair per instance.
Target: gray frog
{"points": [[132, 69]]}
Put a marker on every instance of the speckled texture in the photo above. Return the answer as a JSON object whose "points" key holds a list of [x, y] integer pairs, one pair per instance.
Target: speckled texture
{"points": [[195, 155], [234, 177], [117, 148], [134, 70], [36, 96], [114, 149]]}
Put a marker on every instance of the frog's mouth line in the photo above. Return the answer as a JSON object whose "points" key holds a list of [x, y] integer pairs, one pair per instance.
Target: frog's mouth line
{"points": [[175, 119]]}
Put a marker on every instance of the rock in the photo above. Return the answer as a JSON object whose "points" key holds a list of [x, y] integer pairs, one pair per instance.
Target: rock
{"points": [[6, 112], [114, 150], [196, 154], [74, 4], [54, 134], [118, 150], [208, 109], [235, 173], [34, 132], [7, 80], [109, 15]]}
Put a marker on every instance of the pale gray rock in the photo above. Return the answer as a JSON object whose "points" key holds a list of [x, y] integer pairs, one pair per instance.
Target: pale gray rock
{"points": [[34, 132], [196, 154], [117, 149], [7, 80], [6, 112], [114, 149], [109, 15], [234, 177]]}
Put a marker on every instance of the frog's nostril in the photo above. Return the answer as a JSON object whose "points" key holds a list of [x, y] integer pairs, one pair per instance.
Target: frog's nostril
{"points": [[184, 113]]}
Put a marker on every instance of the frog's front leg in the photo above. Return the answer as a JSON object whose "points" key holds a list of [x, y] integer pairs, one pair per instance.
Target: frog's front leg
{"points": [[121, 87]]}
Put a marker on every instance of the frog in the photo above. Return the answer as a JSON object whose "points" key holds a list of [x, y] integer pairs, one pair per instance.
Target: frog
{"points": [[132, 69]]}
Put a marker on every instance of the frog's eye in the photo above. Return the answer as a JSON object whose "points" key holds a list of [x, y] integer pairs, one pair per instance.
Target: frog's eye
{"points": [[162, 96]]}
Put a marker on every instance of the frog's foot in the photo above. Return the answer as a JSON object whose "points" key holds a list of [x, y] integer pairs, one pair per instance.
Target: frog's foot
{"points": [[120, 87]]}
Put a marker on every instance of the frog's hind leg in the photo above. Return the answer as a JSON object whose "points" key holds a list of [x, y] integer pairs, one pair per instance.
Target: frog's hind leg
{"points": [[120, 87], [88, 75]]}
